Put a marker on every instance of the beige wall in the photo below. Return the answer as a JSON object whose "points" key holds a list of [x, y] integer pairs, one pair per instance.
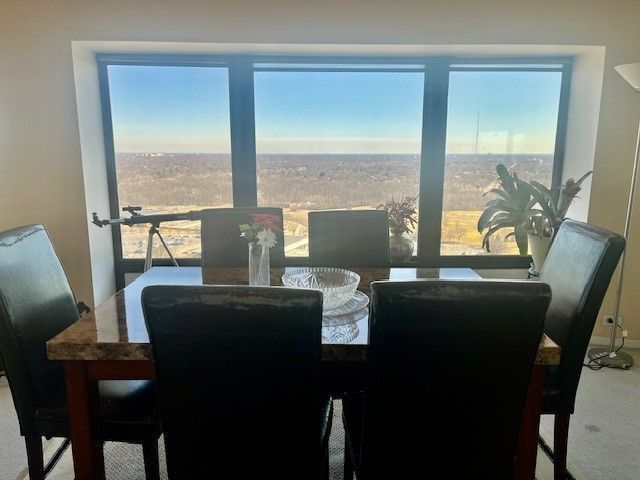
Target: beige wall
{"points": [[40, 154]]}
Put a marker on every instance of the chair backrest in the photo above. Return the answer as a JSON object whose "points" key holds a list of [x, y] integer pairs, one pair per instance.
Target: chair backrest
{"points": [[220, 237], [237, 374], [578, 268], [448, 367], [349, 238], [36, 303]]}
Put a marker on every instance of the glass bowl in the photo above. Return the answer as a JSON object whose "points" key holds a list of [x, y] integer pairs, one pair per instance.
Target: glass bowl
{"points": [[336, 284]]}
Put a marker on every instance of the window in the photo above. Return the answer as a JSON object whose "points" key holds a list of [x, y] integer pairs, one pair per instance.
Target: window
{"points": [[312, 133], [335, 140], [506, 117], [172, 148]]}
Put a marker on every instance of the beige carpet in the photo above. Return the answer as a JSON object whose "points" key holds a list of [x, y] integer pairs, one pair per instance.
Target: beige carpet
{"points": [[12, 455], [604, 433]]}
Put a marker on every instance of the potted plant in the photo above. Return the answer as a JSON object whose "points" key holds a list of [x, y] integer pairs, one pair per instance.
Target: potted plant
{"points": [[533, 211], [544, 223], [402, 220], [510, 210]]}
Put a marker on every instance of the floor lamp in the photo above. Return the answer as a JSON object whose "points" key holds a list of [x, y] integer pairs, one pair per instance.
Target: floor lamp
{"points": [[608, 356]]}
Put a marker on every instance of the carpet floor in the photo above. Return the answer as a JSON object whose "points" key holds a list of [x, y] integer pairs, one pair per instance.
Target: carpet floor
{"points": [[12, 455], [603, 437], [604, 431]]}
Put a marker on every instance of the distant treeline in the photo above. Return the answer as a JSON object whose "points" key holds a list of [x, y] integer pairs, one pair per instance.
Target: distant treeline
{"points": [[302, 181]]}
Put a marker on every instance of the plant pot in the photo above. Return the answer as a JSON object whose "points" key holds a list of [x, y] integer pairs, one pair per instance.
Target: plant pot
{"points": [[539, 246], [400, 247]]}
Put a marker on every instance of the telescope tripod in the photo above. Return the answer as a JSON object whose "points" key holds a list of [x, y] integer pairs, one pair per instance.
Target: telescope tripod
{"points": [[148, 261]]}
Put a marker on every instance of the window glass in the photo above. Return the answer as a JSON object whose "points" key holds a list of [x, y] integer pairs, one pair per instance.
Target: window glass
{"points": [[335, 140], [172, 148], [494, 117], [328, 136]]}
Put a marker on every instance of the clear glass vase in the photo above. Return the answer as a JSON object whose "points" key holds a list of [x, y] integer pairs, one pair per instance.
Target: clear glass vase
{"points": [[400, 247], [259, 265]]}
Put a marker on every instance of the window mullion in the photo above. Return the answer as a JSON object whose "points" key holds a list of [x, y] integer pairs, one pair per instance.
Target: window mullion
{"points": [[243, 134], [434, 133], [561, 128], [112, 179]]}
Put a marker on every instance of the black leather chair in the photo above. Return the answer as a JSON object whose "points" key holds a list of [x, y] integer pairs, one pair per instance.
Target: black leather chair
{"points": [[349, 238], [578, 268], [36, 303], [220, 237], [448, 367], [237, 375]]}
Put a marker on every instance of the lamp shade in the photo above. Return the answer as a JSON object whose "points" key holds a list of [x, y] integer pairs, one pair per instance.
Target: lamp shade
{"points": [[631, 73]]}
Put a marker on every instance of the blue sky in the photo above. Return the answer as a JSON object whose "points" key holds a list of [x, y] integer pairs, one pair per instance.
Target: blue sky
{"points": [[185, 109]]}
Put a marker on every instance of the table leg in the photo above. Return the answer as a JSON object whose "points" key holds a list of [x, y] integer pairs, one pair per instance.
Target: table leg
{"points": [[83, 405], [527, 449]]}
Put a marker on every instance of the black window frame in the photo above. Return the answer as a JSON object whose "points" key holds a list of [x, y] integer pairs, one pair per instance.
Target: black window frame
{"points": [[241, 70]]}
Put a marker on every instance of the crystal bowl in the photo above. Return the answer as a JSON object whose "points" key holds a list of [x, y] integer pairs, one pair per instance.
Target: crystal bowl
{"points": [[336, 284]]}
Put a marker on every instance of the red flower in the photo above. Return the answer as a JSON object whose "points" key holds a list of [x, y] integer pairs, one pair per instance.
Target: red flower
{"points": [[266, 220]]}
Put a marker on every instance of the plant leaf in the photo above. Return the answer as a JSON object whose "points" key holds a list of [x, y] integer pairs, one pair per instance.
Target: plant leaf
{"points": [[502, 204], [508, 183], [496, 219], [544, 190], [498, 192], [548, 197], [485, 217], [545, 203], [521, 239], [583, 178], [504, 223]]}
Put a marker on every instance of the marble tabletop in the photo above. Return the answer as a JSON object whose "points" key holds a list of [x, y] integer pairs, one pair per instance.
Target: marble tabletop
{"points": [[115, 330]]}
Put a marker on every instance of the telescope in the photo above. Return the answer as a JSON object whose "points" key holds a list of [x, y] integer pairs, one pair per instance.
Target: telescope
{"points": [[154, 220], [137, 218]]}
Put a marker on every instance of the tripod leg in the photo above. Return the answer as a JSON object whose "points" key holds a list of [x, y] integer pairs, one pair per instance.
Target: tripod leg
{"points": [[148, 260], [175, 264]]}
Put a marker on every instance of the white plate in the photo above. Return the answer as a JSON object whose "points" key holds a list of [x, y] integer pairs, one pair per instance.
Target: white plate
{"points": [[356, 302], [340, 333], [344, 319]]}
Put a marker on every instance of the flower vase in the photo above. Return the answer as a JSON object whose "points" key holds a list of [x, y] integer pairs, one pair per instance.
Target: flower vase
{"points": [[259, 265], [400, 247]]}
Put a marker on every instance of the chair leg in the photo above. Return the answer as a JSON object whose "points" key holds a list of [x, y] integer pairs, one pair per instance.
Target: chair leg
{"points": [[151, 459], [560, 439], [348, 463], [35, 459]]}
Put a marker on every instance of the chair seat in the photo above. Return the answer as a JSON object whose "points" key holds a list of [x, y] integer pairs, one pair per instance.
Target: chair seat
{"points": [[127, 411]]}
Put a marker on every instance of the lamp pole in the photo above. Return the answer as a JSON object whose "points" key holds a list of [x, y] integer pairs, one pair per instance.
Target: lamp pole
{"points": [[610, 356]]}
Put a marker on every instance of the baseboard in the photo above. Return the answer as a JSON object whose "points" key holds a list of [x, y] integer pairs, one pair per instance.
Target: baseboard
{"points": [[605, 341]]}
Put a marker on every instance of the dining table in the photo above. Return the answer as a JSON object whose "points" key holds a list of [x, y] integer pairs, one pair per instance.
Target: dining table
{"points": [[112, 343]]}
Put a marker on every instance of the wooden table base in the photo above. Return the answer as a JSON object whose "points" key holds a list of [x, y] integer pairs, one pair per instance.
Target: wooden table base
{"points": [[83, 405], [527, 450]]}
